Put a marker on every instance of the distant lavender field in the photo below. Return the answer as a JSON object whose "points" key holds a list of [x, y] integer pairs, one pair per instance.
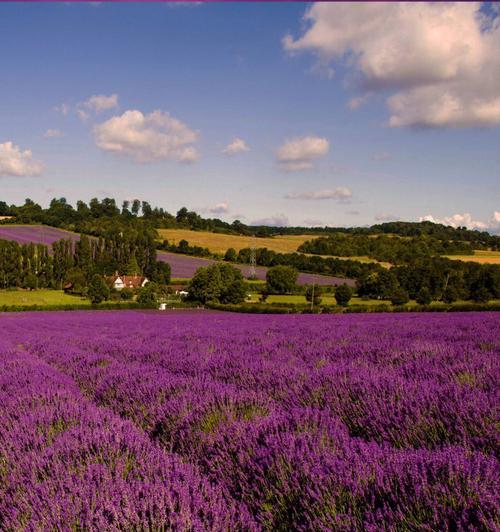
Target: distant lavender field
{"points": [[182, 265], [206, 421], [40, 234], [185, 267]]}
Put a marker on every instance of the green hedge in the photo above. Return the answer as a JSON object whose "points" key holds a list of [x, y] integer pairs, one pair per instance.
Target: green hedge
{"points": [[130, 305], [277, 308], [101, 306]]}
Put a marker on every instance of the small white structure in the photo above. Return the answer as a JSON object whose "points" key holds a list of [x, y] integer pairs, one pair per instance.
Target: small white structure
{"points": [[163, 306], [183, 293], [119, 282]]}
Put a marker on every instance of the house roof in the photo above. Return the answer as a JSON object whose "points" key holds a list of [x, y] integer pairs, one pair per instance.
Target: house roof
{"points": [[129, 281]]}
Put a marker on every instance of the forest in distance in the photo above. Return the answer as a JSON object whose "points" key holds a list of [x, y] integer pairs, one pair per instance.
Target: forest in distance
{"points": [[127, 240]]}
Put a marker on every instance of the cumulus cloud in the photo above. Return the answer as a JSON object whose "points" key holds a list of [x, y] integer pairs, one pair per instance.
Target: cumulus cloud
{"points": [[237, 145], [440, 60], [51, 133], [14, 162], [147, 138], [96, 104], [357, 101], [63, 109], [300, 153], [339, 193], [219, 208], [465, 220], [279, 220]]}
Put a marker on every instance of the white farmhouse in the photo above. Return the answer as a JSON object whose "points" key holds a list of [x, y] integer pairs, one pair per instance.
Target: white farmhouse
{"points": [[119, 282]]}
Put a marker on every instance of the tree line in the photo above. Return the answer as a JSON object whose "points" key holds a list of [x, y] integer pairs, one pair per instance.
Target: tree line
{"points": [[102, 217], [304, 263], [385, 248], [32, 266], [442, 278], [433, 279]]}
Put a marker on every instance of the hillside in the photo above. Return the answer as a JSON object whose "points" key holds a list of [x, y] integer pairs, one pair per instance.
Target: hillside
{"points": [[220, 242], [182, 266], [480, 256]]}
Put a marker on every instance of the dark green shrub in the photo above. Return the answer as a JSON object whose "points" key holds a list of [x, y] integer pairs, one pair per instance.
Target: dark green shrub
{"points": [[98, 290], [343, 295], [399, 296], [126, 294], [313, 294], [424, 296], [281, 279], [231, 255]]}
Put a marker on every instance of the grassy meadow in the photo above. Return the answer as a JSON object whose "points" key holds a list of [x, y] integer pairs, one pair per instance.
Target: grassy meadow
{"points": [[482, 257], [39, 297], [329, 299]]}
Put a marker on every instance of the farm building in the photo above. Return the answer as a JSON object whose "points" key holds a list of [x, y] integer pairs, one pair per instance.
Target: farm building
{"points": [[126, 281], [179, 290]]}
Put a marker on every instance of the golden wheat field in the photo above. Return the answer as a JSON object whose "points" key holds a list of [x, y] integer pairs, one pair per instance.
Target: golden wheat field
{"points": [[482, 257], [220, 243]]}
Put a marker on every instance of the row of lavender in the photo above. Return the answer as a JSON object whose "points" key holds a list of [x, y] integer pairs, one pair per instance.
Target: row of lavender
{"points": [[66, 464], [301, 422]]}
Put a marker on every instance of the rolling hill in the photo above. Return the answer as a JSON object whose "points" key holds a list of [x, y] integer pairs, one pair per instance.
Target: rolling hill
{"points": [[182, 266], [220, 242]]}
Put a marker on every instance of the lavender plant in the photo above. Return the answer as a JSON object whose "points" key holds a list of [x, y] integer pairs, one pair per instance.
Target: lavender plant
{"points": [[208, 421]]}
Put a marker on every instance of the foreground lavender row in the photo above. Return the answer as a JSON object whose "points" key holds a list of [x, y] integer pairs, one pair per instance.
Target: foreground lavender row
{"points": [[206, 421]]}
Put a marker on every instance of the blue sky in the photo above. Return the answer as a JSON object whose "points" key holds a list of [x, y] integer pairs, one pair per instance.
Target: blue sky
{"points": [[216, 73]]}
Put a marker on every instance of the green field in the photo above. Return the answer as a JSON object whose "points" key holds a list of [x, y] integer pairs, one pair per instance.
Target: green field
{"points": [[326, 299], [39, 297], [329, 299]]}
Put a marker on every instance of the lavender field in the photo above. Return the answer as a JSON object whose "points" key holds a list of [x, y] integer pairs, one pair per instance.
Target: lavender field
{"points": [[39, 234], [206, 421], [184, 266]]}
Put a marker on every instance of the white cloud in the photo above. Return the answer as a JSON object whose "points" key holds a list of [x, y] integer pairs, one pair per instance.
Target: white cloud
{"points": [[189, 155], [14, 162], [300, 153], [441, 60], [63, 109], [339, 193], [237, 145], [219, 208], [96, 104], [279, 220], [357, 102], [464, 220], [51, 133], [494, 223], [147, 138]]}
